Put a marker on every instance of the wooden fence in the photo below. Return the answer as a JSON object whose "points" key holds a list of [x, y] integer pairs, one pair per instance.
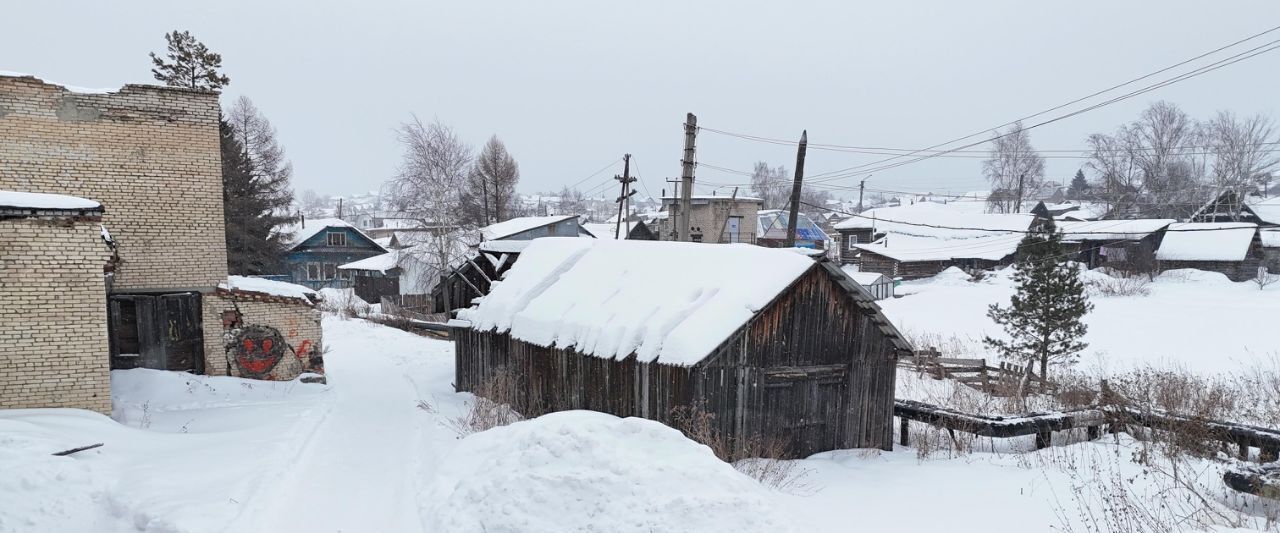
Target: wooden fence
{"points": [[999, 380]]}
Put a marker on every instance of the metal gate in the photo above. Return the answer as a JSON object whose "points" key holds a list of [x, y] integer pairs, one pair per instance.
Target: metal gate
{"points": [[160, 331]]}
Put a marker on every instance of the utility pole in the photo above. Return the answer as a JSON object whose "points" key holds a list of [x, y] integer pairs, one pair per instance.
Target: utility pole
{"points": [[625, 197], [862, 186], [686, 177], [795, 190], [339, 208], [672, 217]]}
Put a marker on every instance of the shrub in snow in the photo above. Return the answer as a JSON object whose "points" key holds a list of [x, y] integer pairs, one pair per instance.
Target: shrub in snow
{"points": [[589, 471], [343, 302], [491, 405]]}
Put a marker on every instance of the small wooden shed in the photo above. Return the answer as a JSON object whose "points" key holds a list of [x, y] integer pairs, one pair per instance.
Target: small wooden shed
{"points": [[773, 344]]}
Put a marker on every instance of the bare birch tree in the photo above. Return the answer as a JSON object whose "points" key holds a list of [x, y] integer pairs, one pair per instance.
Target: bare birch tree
{"points": [[429, 186], [1242, 156], [771, 184], [1014, 169]]}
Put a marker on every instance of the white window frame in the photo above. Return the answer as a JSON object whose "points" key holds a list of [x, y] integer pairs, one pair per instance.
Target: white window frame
{"points": [[330, 271], [319, 271], [330, 235], [852, 240]]}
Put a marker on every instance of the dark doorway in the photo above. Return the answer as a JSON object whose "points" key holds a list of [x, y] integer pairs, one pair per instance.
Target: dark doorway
{"points": [[160, 331]]}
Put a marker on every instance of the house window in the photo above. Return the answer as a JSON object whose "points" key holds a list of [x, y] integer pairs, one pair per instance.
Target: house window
{"points": [[330, 270], [852, 239], [337, 239], [313, 271], [344, 274]]}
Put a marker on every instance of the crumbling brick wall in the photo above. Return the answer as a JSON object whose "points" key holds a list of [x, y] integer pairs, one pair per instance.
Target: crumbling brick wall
{"points": [[237, 323], [53, 314], [149, 154]]}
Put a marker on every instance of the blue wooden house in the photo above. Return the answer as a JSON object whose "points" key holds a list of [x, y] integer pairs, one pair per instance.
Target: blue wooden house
{"points": [[319, 245]]}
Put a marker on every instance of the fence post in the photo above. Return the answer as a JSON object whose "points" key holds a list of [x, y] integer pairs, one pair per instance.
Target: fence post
{"points": [[903, 424]]}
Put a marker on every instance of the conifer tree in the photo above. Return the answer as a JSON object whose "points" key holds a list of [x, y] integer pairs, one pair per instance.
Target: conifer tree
{"points": [[190, 64], [1079, 186], [1043, 319]]}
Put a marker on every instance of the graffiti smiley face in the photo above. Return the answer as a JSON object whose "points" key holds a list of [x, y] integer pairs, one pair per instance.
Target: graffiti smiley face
{"points": [[257, 350]]}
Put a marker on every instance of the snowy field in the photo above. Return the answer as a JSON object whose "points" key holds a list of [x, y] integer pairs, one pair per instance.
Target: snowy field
{"points": [[373, 450], [1195, 320]]}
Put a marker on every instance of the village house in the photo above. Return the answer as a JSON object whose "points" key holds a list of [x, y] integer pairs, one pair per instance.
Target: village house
{"points": [[917, 242], [1125, 245], [773, 344], [1231, 248], [149, 158], [712, 218], [318, 245]]}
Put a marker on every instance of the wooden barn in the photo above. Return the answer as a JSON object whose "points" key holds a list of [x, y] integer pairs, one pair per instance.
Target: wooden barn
{"points": [[1231, 248], [774, 344]]}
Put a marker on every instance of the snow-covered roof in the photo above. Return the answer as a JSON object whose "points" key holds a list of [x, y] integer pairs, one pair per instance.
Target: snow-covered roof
{"points": [[1206, 241], [312, 226], [380, 263], [1268, 210], [910, 248], [865, 278], [604, 231], [266, 286], [610, 298], [518, 225], [1111, 230], [42, 201], [504, 247], [937, 221], [1270, 238], [707, 197]]}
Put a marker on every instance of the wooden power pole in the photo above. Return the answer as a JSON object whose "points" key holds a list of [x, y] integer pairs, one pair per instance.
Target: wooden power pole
{"points": [[686, 177], [625, 198], [795, 190]]}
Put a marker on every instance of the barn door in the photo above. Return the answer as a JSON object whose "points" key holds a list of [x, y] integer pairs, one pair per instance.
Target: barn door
{"points": [[160, 331], [803, 406]]}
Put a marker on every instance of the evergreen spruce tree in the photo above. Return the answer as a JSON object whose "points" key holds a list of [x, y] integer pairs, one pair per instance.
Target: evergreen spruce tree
{"points": [[1043, 319], [190, 64], [1079, 186]]}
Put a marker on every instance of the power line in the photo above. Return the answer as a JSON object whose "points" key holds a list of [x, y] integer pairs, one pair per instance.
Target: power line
{"points": [[594, 174], [863, 169]]}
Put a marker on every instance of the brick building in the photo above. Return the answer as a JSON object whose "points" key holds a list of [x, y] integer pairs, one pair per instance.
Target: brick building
{"points": [[715, 219], [150, 156]]}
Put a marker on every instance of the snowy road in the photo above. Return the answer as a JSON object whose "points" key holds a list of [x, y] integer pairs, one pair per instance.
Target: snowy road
{"points": [[351, 474]]}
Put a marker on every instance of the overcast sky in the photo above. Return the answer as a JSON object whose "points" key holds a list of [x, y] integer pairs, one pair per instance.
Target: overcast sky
{"points": [[571, 86]]}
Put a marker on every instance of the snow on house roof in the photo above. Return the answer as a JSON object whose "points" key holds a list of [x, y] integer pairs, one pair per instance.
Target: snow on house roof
{"points": [[1111, 230], [312, 226], [938, 222], [519, 224], [1206, 241], [911, 248], [42, 201], [610, 298], [381, 263], [1267, 210], [266, 286], [504, 247], [864, 278], [1270, 238]]}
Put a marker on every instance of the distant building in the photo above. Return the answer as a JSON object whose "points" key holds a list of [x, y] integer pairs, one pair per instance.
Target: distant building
{"points": [[1231, 248], [771, 230], [712, 218], [319, 245]]}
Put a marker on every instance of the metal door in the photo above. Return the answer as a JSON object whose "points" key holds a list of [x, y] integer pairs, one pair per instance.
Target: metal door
{"points": [[735, 224]]}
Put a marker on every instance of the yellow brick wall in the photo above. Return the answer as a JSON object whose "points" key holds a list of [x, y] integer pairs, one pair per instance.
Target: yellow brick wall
{"points": [[149, 154], [298, 323], [53, 315]]}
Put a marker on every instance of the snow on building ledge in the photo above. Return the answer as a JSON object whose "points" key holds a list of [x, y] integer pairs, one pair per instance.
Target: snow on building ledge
{"points": [[267, 290], [26, 204], [87, 90]]}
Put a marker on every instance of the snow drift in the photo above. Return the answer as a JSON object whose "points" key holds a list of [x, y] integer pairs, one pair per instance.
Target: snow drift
{"points": [[588, 471]]}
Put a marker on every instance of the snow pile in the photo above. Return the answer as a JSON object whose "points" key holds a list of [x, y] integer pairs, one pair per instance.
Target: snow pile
{"points": [[520, 224], [266, 286], [588, 471], [36, 200], [1206, 241], [668, 301], [144, 393]]}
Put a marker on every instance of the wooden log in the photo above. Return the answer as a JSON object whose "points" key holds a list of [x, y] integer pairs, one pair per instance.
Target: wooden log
{"points": [[77, 450]]}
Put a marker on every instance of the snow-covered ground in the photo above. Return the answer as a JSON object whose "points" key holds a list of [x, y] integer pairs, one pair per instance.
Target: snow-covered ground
{"points": [[1196, 320], [372, 450]]}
